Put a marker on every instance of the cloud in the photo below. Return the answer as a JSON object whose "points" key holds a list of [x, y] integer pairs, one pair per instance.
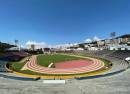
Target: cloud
{"points": [[38, 45], [65, 45], [88, 40], [35, 43], [96, 38]]}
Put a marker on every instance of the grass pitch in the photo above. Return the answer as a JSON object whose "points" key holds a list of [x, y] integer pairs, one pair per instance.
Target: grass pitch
{"points": [[45, 60]]}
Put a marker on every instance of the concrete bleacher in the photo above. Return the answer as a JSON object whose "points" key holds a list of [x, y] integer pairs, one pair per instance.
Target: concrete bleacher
{"points": [[118, 60], [118, 65], [5, 74], [13, 56], [16, 77], [2, 66], [116, 57], [4, 59], [120, 54], [95, 53]]}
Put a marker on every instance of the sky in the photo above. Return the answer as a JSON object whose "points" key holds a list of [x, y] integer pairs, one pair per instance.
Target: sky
{"points": [[62, 21]]}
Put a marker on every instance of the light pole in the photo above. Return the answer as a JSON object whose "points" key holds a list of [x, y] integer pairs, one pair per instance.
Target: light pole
{"points": [[17, 44], [113, 34]]}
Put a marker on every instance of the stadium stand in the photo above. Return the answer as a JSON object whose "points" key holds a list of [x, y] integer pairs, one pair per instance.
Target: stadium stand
{"points": [[2, 66], [5, 46], [120, 54], [13, 56], [16, 77], [116, 57], [100, 53]]}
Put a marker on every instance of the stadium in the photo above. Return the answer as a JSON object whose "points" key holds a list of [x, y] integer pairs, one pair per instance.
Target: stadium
{"points": [[67, 67], [64, 47]]}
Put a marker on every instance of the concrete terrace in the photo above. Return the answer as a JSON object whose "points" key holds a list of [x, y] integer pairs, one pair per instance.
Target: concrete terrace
{"points": [[116, 84]]}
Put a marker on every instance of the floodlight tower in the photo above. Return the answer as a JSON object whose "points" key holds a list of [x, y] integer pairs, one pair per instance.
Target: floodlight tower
{"points": [[17, 44], [113, 34], [33, 47]]}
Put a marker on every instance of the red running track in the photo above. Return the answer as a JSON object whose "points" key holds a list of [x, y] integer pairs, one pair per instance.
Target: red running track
{"points": [[73, 64], [33, 66]]}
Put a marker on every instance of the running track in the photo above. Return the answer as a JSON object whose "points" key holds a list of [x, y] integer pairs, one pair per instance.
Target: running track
{"points": [[73, 64], [33, 66]]}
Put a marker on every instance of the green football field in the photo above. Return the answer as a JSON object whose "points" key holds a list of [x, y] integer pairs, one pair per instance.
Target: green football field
{"points": [[45, 60]]}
